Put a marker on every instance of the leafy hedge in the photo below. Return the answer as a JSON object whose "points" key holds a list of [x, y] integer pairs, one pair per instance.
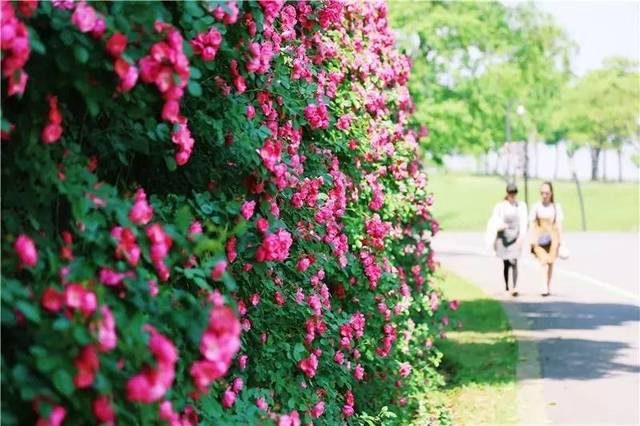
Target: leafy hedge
{"points": [[212, 213]]}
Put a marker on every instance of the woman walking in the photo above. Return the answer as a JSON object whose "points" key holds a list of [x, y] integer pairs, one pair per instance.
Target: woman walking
{"points": [[506, 233], [546, 231]]}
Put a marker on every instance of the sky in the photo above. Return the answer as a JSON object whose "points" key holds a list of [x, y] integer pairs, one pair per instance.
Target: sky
{"points": [[600, 28]]}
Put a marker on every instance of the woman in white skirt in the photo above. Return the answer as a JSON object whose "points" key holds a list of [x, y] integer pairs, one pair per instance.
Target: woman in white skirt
{"points": [[507, 234]]}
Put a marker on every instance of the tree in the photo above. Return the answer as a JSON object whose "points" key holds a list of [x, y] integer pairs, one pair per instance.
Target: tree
{"points": [[601, 109], [472, 62]]}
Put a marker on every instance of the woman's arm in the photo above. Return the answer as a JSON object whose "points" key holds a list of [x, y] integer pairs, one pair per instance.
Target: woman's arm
{"points": [[492, 228]]}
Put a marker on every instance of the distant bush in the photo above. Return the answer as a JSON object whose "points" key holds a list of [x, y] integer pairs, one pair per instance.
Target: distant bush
{"points": [[212, 213]]}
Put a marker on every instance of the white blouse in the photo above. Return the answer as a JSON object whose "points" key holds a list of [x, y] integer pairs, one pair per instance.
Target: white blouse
{"points": [[541, 211]]}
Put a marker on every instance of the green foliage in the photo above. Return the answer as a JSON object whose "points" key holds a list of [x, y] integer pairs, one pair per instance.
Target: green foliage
{"points": [[474, 63], [601, 108]]}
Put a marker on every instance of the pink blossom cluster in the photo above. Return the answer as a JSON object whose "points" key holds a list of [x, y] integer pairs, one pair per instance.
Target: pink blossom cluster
{"points": [[184, 141], [103, 411], [141, 212], [270, 8], [377, 230], [127, 72], [206, 45], [332, 210], [127, 247], [105, 328], [77, 297], [87, 365], [230, 395], [160, 246], [228, 13], [330, 14], [167, 67], [291, 419], [348, 409], [308, 192], [218, 346], [25, 248], [390, 336], [317, 410], [274, 247], [314, 325], [55, 418], [372, 270], [259, 57], [14, 43], [344, 122], [301, 65], [309, 365], [52, 131], [404, 369], [152, 383], [378, 196], [304, 263], [112, 278], [317, 115], [238, 80], [87, 20], [189, 416], [247, 209], [231, 249], [354, 328]]}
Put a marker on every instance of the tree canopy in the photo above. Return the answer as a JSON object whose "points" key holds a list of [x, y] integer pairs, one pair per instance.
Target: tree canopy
{"points": [[474, 62]]}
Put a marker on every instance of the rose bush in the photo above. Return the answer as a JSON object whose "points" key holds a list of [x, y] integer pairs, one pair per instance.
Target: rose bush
{"points": [[212, 213]]}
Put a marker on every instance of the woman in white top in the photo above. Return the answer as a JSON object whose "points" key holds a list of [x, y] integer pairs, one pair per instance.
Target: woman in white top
{"points": [[546, 231], [506, 233]]}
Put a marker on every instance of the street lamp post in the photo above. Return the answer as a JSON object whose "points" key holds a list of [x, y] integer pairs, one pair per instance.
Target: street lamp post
{"points": [[520, 110]]}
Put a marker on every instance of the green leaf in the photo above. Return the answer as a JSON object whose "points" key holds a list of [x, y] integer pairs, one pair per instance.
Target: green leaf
{"points": [[229, 282], [298, 351], [171, 163], [195, 73], [81, 54], [194, 89], [63, 382], [67, 37], [193, 9], [61, 324], [35, 43], [29, 310]]}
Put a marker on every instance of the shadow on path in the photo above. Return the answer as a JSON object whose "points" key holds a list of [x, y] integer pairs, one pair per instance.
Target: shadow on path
{"points": [[570, 358], [580, 359], [576, 316]]}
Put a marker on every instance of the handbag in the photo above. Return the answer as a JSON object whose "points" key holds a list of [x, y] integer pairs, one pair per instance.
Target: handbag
{"points": [[507, 237], [563, 252]]}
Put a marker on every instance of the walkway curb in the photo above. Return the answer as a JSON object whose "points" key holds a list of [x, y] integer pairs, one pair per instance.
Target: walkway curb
{"points": [[531, 406]]}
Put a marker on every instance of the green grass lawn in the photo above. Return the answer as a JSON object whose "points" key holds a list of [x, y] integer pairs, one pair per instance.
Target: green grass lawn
{"points": [[465, 202], [479, 360]]}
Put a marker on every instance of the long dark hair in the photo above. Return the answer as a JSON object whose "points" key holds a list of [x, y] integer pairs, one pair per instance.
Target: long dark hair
{"points": [[546, 182]]}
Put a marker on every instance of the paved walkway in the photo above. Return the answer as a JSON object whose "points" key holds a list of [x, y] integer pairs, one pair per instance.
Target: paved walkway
{"points": [[579, 348]]}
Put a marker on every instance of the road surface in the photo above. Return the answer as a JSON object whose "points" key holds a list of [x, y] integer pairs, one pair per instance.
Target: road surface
{"points": [[587, 334]]}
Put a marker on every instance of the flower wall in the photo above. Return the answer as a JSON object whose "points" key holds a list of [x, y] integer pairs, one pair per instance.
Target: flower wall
{"points": [[212, 213]]}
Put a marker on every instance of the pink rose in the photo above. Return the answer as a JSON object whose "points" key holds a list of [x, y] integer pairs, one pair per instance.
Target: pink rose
{"points": [[103, 410], [247, 209], [84, 17], [228, 398], [116, 44], [52, 299], [218, 270], [26, 251]]}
